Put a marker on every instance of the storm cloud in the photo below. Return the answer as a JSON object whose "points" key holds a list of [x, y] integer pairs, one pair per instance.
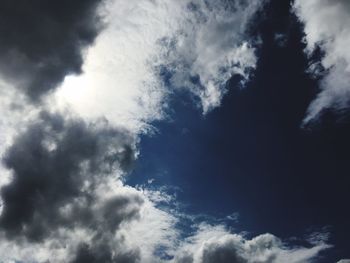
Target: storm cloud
{"points": [[43, 41], [63, 172]]}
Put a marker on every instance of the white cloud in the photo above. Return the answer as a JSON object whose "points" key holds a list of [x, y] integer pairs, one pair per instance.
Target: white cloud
{"points": [[191, 38], [344, 261], [327, 26], [212, 47], [216, 244]]}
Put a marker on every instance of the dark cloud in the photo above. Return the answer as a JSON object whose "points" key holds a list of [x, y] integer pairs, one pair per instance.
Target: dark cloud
{"points": [[61, 177], [98, 254], [43, 41], [225, 253]]}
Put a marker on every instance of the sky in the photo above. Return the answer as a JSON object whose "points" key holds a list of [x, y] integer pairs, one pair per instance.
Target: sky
{"points": [[187, 131]]}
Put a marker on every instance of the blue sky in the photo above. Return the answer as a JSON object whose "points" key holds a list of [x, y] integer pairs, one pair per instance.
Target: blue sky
{"points": [[251, 155]]}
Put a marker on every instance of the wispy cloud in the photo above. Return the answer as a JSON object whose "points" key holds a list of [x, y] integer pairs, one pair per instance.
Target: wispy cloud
{"points": [[327, 26], [190, 39]]}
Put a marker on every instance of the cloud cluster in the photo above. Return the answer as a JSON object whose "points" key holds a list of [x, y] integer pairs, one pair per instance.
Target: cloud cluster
{"points": [[198, 45], [65, 176], [53, 162], [211, 47], [44, 41], [215, 244], [66, 202], [64, 198], [327, 27]]}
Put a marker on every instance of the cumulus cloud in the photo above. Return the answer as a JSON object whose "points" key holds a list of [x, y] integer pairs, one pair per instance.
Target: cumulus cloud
{"points": [[66, 200], [44, 41], [215, 244], [280, 39], [65, 176], [327, 27]]}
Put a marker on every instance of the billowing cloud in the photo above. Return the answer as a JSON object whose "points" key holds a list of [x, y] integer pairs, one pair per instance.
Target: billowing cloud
{"points": [[45, 41], [66, 202], [327, 27], [215, 244], [65, 176]]}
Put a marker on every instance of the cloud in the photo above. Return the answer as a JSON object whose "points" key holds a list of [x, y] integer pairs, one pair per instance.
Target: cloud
{"points": [[64, 198], [45, 41], [66, 202], [215, 244], [65, 176], [200, 45], [344, 261], [327, 27], [211, 48]]}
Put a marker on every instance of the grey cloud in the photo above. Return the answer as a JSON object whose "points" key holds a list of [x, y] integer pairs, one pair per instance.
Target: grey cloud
{"points": [[99, 254], [62, 169], [43, 41]]}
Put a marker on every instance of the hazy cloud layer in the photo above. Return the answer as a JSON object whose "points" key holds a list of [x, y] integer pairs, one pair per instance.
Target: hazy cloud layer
{"points": [[327, 26], [44, 41]]}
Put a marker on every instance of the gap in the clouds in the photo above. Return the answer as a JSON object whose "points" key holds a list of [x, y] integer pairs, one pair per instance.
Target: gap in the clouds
{"points": [[251, 155]]}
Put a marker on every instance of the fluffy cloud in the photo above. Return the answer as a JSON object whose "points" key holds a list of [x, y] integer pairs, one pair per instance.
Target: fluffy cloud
{"points": [[215, 244], [327, 27], [44, 41], [66, 200], [65, 176], [197, 45], [54, 162]]}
